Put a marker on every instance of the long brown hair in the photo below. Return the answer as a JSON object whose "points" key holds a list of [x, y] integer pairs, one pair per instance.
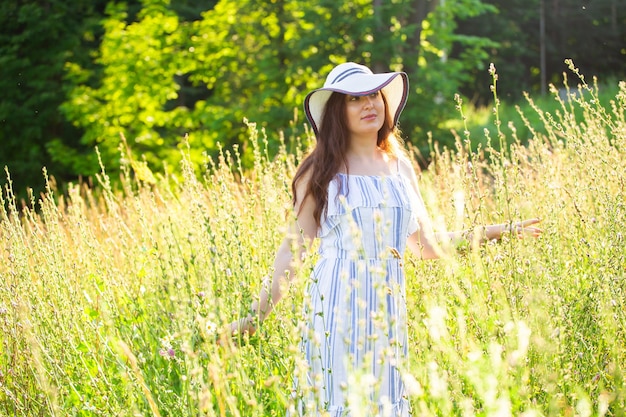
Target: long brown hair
{"points": [[329, 153]]}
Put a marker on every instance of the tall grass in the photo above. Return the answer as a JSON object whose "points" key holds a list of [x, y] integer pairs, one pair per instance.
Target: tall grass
{"points": [[111, 299]]}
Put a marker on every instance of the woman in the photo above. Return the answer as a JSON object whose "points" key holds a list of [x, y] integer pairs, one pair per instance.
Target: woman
{"points": [[357, 193]]}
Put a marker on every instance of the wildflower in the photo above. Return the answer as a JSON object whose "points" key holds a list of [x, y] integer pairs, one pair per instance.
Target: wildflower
{"points": [[436, 323], [474, 355], [168, 353], [413, 387], [437, 382], [368, 380], [211, 327]]}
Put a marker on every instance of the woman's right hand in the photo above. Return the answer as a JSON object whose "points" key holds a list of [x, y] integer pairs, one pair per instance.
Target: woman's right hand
{"points": [[237, 328], [242, 327]]}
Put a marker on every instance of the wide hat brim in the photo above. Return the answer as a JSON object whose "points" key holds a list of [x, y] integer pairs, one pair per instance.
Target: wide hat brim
{"points": [[357, 80]]}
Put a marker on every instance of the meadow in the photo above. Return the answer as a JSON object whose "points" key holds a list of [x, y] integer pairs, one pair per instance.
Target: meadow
{"points": [[112, 297]]}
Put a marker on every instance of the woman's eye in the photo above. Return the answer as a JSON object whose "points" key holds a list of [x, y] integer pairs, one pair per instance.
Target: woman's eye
{"points": [[357, 98]]}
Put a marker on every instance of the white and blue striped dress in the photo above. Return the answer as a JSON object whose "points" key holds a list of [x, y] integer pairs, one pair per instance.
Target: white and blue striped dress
{"points": [[356, 305]]}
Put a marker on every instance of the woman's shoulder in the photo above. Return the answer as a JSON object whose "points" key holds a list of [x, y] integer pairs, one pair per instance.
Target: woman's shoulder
{"points": [[405, 166]]}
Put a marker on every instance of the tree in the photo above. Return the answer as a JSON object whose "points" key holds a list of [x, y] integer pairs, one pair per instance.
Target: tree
{"points": [[591, 33], [438, 73], [36, 39], [242, 52], [139, 61], [163, 79], [155, 76]]}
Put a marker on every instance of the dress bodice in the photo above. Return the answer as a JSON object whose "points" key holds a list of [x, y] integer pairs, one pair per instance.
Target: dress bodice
{"points": [[368, 217]]}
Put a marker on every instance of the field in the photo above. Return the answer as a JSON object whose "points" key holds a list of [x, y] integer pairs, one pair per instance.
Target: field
{"points": [[112, 298]]}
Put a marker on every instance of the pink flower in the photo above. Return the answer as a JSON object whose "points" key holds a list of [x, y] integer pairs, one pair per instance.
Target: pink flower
{"points": [[168, 353]]}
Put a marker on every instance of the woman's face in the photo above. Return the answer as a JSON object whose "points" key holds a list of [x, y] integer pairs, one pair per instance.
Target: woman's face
{"points": [[366, 114]]}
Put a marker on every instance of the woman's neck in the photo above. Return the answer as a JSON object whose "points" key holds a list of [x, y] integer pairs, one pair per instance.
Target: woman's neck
{"points": [[364, 160], [364, 147]]}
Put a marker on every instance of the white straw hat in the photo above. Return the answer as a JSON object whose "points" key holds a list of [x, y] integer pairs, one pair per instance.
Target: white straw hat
{"points": [[357, 80]]}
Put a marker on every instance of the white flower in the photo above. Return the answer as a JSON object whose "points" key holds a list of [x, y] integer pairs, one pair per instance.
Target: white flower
{"points": [[437, 323], [210, 327], [413, 387]]}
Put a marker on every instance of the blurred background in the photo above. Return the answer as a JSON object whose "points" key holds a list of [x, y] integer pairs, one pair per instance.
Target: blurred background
{"points": [[79, 75]]}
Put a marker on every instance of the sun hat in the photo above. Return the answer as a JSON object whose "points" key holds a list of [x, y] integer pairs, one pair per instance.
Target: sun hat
{"points": [[357, 80]]}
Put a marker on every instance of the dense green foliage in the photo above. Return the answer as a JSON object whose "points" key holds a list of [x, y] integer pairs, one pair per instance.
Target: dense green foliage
{"points": [[81, 74], [111, 301], [591, 33], [36, 41], [246, 60]]}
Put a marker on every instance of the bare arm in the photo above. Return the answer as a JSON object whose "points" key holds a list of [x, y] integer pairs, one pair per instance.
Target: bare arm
{"points": [[294, 245], [495, 231], [426, 244]]}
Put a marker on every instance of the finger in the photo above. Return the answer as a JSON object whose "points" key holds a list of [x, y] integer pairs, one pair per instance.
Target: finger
{"points": [[525, 228], [532, 231], [529, 222]]}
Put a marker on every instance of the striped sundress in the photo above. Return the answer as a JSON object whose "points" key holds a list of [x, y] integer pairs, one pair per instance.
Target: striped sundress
{"points": [[355, 305]]}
